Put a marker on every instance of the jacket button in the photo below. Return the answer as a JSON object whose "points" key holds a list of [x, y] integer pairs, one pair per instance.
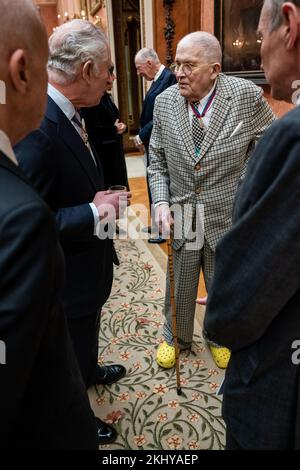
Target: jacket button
{"points": [[198, 191], [198, 167]]}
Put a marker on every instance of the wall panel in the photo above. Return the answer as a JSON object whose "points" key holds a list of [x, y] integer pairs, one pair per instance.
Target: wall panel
{"points": [[48, 11], [186, 16]]}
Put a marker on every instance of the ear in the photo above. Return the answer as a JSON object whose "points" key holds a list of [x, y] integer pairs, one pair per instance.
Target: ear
{"points": [[18, 70], [87, 71], [216, 69], [291, 25]]}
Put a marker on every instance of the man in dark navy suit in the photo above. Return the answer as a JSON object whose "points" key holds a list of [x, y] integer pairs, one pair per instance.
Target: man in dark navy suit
{"points": [[254, 301], [150, 68], [106, 131], [67, 173], [44, 404]]}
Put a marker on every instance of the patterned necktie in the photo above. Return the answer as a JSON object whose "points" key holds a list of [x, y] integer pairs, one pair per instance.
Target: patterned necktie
{"points": [[83, 131], [197, 130], [85, 137]]}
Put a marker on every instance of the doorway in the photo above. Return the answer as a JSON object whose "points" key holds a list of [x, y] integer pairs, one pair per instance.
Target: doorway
{"points": [[127, 41]]}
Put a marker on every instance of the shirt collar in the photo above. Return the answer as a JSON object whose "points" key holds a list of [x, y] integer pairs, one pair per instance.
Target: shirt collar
{"points": [[6, 147], [161, 69], [62, 102], [298, 101]]}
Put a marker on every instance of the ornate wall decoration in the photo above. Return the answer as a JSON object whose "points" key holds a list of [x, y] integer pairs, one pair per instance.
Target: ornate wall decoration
{"points": [[169, 30]]}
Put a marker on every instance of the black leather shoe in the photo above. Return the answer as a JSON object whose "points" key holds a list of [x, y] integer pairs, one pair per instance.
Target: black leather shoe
{"points": [[105, 433], [107, 375], [156, 240]]}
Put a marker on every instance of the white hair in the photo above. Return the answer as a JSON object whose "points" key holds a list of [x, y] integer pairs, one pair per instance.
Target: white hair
{"points": [[208, 45], [147, 54], [73, 44], [276, 17]]}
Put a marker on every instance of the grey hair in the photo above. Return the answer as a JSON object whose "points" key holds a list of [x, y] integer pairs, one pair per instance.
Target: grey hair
{"points": [[145, 54], [73, 44], [276, 17], [208, 44]]}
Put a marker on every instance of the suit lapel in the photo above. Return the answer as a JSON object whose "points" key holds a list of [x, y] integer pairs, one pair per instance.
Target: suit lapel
{"points": [[184, 125], [73, 140], [13, 168], [155, 84], [221, 107], [151, 89]]}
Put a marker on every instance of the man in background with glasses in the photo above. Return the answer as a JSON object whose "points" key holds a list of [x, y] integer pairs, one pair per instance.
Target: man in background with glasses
{"points": [[204, 131]]}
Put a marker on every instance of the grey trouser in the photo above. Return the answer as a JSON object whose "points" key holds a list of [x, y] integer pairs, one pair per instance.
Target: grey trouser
{"points": [[187, 267]]}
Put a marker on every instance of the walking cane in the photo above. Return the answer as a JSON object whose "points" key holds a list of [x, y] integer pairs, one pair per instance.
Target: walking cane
{"points": [[173, 307]]}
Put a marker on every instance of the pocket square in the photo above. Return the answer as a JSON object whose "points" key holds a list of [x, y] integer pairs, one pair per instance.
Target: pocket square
{"points": [[237, 129]]}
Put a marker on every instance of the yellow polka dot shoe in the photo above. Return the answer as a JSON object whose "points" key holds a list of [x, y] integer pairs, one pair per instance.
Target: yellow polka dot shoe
{"points": [[220, 355], [165, 356]]}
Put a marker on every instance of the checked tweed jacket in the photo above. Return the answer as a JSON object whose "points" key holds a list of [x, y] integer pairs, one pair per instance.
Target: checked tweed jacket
{"points": [[177, 175]]}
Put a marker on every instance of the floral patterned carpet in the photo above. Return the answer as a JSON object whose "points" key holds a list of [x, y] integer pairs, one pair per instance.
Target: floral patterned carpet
{"points": [[144, 406]]}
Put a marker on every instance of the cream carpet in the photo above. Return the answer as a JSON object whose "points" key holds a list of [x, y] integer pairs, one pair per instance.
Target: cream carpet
{"points": [[144, 406]]}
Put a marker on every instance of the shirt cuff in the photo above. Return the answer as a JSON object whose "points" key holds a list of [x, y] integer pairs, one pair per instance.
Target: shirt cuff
{"points": [[160, 203], [96, 217], [138, 140]]}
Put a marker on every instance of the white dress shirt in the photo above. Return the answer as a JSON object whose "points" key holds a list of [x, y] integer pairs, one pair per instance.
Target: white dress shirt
{"points": [[69, 111], [6, 147], [161, 69]]}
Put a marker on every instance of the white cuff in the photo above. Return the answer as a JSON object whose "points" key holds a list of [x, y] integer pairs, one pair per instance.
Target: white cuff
{"points": [[138, 140], [160, 203], [96, 217]]}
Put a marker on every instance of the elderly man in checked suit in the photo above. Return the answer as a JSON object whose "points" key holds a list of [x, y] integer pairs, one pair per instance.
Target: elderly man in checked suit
{"points": [[204, 131]]}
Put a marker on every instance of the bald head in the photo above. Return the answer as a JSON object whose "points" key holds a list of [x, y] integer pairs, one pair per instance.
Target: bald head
{"points": [[21, 26], [23, 59], [204, 44]]}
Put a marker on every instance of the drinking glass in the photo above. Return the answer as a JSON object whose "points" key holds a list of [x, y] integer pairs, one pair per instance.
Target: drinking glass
{"points": [[117, 189]]}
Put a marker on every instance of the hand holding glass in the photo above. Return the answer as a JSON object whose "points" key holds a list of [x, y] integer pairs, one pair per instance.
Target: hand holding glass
{"points": [[117, 189], [123, 202]]}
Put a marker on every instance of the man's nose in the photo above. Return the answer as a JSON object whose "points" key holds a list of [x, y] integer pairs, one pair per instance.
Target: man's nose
{"points": [[180, 72]]}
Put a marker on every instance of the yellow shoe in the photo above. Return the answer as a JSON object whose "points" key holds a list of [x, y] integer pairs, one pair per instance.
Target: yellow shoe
{"points": [[220, 355], [165, 356]]}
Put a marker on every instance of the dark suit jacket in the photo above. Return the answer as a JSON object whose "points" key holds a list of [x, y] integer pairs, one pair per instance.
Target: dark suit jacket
{"points": [[43, 402], [62, 170], [99, 121], [166, 79], [254, 302]]}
